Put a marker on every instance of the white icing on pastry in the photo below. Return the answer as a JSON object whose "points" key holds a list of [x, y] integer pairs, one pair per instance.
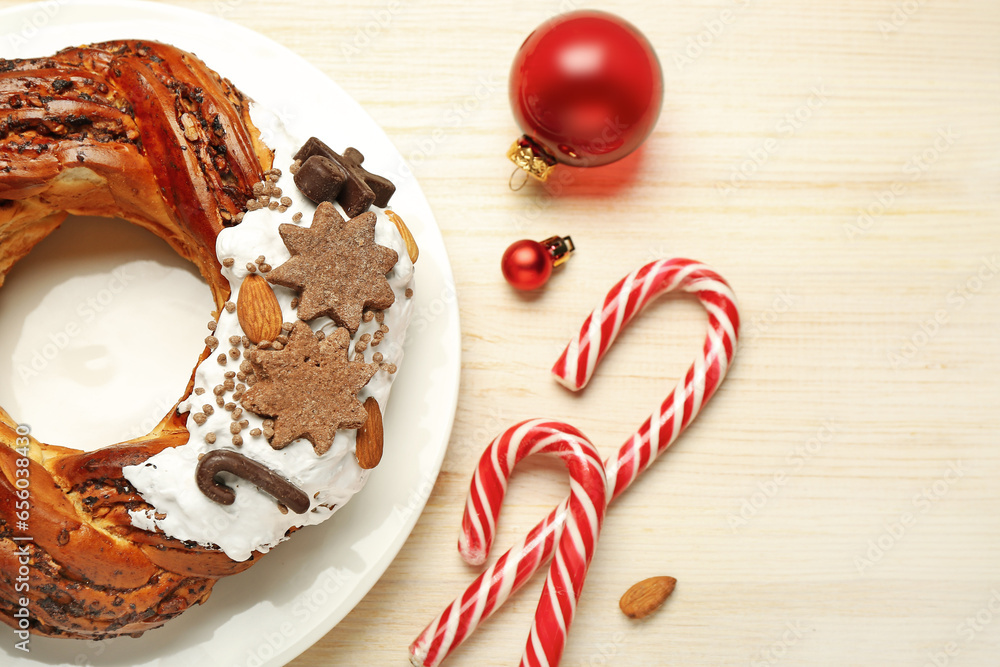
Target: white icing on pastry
{"points": [[254, 522]]}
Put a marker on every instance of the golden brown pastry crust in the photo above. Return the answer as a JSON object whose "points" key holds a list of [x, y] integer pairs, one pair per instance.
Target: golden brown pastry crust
{"points": [[145, 132]]}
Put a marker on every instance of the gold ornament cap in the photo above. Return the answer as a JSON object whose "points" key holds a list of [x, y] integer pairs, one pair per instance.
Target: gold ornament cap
{"points": [[560, 248], [529, 155]]}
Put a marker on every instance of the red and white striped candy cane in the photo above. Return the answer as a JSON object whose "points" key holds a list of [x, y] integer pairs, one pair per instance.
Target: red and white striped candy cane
{"points": [[626, 300], [574, 369], [584, 514]]}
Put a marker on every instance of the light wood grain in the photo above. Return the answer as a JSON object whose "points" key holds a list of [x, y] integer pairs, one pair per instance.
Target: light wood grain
{"points": [[841, 359]]}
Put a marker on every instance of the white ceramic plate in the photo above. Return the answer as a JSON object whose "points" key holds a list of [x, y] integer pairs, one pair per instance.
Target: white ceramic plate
{"points": [[297, 593]]}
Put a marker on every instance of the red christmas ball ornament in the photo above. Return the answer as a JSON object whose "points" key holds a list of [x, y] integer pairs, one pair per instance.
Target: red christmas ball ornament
{"points": [[586, 89], [527, 264]]}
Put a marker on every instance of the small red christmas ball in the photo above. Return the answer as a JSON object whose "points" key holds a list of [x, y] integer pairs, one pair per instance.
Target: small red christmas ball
{"points": [[526, 264], [587, 88]]}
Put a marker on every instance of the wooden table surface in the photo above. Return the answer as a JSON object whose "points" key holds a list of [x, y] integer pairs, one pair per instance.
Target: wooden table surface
{"points": [[838, 162]]}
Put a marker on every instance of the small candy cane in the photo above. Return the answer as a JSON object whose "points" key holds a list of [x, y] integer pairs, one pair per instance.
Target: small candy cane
{"points": [[583, 518], [574, 369]]}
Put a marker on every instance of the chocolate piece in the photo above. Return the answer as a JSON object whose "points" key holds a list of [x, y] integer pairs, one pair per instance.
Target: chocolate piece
{"points": [[313, 147], [380, 185], [355, 196], [257, 474], [321, 179], [362, 188]]}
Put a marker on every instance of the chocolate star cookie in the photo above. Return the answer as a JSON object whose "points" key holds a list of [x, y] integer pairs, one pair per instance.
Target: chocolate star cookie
{"points": [[336, 266], [309, 387]]}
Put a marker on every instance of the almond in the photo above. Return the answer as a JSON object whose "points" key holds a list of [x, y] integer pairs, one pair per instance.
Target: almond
{"points": [[190, 127], [411, 245], [258, 310], [644, 597], [368, 449]]}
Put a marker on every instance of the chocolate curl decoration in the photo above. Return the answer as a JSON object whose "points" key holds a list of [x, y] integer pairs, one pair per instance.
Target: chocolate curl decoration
{"points": [[257, 474]]}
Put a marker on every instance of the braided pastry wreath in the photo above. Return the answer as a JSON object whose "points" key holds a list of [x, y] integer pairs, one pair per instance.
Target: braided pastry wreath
{"points": [[281, 420]]}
